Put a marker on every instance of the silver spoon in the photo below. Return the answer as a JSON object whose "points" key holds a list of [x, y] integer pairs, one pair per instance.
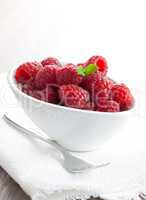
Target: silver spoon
{"points": [[71, 163]]}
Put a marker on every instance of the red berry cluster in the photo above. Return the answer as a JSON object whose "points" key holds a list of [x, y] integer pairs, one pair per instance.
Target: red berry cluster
{"points": [[82, 86]]}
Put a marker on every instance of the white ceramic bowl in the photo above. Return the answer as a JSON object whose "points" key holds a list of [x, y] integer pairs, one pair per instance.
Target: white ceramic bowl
{"points": [[76, 130]]}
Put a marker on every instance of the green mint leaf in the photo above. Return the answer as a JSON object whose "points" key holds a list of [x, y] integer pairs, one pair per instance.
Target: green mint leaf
{"points": [[90, 69], [86, 71], [81, 71]]}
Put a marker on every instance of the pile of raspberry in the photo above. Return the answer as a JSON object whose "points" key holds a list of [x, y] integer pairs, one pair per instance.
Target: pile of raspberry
{"points": [[83, 86]]}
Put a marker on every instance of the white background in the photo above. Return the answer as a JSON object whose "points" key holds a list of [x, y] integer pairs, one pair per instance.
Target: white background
{"points": [[74, 30]]}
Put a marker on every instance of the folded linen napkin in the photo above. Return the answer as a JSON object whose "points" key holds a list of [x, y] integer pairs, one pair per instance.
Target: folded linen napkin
{"points": [[36, 166]]}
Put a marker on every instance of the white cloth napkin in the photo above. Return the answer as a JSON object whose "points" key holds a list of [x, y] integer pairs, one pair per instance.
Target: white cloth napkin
{"points": [[36, 167]]}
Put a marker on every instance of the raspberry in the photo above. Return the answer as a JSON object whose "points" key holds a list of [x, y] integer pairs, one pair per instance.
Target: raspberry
{"points": [[107, 106], [68, 75], [90, 81], [27, 71], [27, 89], [45, 76], [74, 96], [51, 61], [102, 84], [102, 89], [103, 94], [89, 106], [121, 94], [100, 62], [49, 94]]}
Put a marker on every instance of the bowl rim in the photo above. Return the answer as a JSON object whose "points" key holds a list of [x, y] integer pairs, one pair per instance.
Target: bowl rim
{"points": [[13, 85]]}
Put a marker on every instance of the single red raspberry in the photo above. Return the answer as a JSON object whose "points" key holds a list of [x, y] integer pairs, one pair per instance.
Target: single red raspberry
{"points": [[100, 62], [121, 94], [74, 96], [68, 75], [49, 94], [89, 106], [102, 84], [107, 106], [103, 94], [45, 76], [51, 61], [102, 89], [90, 81], [27, 71], [27, 89]]}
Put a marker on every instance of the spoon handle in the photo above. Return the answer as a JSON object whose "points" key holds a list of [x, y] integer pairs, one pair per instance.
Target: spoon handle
{"points": [[31, 133]]}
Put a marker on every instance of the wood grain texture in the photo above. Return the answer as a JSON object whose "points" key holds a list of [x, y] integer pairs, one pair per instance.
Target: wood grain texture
{"points": [[9, 190]]}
